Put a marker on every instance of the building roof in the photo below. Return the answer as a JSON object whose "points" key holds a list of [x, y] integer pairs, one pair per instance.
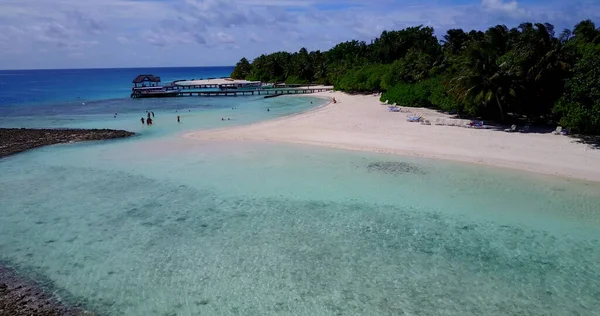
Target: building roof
{"points": [[146, 78]]}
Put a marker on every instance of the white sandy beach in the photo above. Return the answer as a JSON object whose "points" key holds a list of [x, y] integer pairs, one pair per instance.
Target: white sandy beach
{"points": [[362, 123]]}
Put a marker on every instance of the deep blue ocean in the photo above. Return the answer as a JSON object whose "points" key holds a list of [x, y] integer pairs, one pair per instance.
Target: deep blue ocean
{"points": [[47, 92]]}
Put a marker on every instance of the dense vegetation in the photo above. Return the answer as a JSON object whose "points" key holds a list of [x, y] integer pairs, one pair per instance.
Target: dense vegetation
{"points": [[523, 73]]}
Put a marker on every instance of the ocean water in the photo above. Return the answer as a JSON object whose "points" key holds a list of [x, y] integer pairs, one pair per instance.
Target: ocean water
{"points": [[73, 86], [159, 224]]}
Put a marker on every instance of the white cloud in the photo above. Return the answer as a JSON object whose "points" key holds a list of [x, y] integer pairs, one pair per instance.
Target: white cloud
{"points": [[225, 38], [122, 39], [192, 29], [501, 5], [509, 7], [255, 38]]}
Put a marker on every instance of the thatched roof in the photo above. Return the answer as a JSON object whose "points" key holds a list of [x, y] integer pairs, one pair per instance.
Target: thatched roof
{"points": [[146, 78]]}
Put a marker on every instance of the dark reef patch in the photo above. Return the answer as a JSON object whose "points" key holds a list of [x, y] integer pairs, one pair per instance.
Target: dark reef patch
{"points": [[394, 167], [20, 296], [16, 140]]}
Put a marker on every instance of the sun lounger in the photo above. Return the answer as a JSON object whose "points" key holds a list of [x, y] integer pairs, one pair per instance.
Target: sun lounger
{"points": [[385, 103], [525, 129], [512, 129], [414, 119], [426, 122], [558, 130], [477, 124]]}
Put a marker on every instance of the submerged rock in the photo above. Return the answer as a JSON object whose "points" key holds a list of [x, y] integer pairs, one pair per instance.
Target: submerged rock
{"points": [[16, 140], [394, 167], [19, 296]]}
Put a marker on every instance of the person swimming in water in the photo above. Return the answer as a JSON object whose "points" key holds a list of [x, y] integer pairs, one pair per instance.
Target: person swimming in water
{"points": [[149, 121], [143, 121], [178, 120]]}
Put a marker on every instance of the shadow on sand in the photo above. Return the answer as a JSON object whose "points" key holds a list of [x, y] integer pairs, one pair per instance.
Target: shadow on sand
{"points": [[592, 141]]}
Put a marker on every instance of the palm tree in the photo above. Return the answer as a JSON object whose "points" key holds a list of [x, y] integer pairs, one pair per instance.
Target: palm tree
{"points": [[536, 64], [454, 40], [586, 30], [482, 81]]}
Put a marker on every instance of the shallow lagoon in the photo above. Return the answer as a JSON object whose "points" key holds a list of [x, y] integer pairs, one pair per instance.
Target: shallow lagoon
{"points": [[163, 225]]}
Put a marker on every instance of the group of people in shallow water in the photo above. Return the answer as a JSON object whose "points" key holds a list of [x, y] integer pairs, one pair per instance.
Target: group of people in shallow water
{"points": [[149, 119]]}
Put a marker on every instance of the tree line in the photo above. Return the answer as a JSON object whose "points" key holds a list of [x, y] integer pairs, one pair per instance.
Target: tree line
{"points": [[524, 73]]}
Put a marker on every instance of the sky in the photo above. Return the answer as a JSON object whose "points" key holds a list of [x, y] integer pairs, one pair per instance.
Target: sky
{"points": [[42, 34]]}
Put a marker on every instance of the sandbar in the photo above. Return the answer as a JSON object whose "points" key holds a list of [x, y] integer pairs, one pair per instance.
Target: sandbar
{"points": [[361, 122]]}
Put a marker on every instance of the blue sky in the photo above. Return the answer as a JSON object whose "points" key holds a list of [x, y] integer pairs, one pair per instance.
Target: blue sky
{"points": [[132, 33]]}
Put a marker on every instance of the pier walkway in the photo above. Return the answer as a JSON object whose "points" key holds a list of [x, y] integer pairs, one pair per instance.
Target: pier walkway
{"points": [[235, 93]]}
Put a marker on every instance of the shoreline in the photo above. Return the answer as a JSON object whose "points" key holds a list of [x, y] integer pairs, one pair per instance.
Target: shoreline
{"points": [[361, 123], [17, 140]]}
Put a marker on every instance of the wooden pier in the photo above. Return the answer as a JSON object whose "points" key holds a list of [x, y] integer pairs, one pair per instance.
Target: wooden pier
{"points": [[148, 86], [233, 93]]}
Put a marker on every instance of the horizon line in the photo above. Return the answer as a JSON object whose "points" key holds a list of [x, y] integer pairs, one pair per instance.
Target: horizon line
{"points": [[107, 68]]}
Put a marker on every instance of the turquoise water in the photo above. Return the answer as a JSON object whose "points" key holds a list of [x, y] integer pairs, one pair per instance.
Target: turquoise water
{"points": [[194, 112], [172, 227], [163, 225]]}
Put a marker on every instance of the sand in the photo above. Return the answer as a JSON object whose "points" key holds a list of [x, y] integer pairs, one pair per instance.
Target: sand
{"points": [[360, 122]]}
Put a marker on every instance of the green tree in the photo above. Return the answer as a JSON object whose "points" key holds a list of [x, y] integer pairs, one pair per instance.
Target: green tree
{"points": [[579, 107], [242, 69], [505, 74], [482, 84]]}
